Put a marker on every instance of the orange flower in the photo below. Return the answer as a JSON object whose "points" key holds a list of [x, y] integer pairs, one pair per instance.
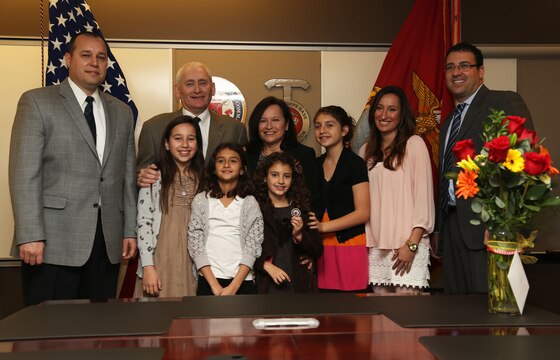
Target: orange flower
{"points": [[551, 169], [466, 184]]}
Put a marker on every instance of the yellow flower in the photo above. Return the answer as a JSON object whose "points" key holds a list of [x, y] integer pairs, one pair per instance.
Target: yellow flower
{"points": [[466, 184], [514, 161], [468, 164]]}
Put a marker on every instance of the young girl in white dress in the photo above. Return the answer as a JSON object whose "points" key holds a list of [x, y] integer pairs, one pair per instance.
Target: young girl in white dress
{"points": [[226, 226]]}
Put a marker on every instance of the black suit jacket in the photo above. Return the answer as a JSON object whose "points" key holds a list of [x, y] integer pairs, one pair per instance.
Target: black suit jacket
{"points": [[471, 128]]}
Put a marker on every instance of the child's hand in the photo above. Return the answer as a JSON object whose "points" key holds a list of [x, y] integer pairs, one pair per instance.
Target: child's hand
{"points": [[314, 223], [217, 290], [306, 260], [297, 227], [228, 290], [278, 275], [151, 283]]}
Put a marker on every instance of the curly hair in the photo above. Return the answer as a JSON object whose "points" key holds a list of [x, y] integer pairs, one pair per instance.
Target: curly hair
{"points": [[244, 184], [405, 129], [167, 166], [298, 193]]}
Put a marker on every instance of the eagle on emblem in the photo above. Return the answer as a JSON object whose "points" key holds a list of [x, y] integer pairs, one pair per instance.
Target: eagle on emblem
{"points": [[429, 114]]}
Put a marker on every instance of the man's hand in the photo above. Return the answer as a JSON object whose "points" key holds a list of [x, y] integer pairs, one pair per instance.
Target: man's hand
{"points": [[147, 176], [32, 252], [129, 248]]}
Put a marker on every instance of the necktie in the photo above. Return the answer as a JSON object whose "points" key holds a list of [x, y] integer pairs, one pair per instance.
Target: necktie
{"points": [[88, 113], [197, 121], [448, 154]]}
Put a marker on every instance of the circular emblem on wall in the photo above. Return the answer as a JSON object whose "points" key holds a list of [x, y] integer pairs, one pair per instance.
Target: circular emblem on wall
{"points": [[301, 119], [228, 100]]}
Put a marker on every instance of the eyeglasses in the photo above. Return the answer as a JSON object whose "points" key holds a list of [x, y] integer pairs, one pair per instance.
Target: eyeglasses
{"points": [[464, 66]]}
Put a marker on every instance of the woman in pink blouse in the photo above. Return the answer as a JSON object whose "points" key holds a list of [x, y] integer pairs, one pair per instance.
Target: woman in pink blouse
{"points": [[401, 194]]}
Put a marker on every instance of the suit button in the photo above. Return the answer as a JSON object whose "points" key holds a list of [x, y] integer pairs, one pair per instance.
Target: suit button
{"points": [[101, 179], [95, 206]]}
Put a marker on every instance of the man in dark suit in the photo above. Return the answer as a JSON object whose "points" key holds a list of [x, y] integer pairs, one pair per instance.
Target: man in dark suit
{"points": [[72, 182], [464, 253], [194, 90]]}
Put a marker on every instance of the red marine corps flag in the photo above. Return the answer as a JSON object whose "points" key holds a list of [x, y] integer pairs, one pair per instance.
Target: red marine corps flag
{"points": [[415, 62]]}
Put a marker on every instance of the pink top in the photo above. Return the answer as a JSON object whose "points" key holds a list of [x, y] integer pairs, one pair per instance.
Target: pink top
{"points": [[401, 199]]}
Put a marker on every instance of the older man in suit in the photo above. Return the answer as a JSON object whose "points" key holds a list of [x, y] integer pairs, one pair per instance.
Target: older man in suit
{"points": [[464, 252], [194, 90], [72, 182]]}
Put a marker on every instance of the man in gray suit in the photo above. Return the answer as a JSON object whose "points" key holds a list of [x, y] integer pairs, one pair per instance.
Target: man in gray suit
{"points": [[72, 182], [464, 252], [194, 90]]}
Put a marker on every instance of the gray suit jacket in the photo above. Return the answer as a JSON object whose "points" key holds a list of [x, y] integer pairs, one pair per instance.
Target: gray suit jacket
{"points": [[471, 128], [56, 178], [222, 129]]}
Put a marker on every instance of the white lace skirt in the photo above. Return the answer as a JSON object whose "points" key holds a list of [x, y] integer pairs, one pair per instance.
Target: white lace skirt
{"points": [[381, 268]]}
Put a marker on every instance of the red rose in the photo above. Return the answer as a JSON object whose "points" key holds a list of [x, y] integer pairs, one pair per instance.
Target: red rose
{"points": [[529, 134], [515, 124], [535, 163], [464, 148], [498, 149]]}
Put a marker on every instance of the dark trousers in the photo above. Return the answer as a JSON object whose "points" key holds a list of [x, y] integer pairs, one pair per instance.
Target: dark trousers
{"points": [[465, 271], [248, 287], [96, 279]]}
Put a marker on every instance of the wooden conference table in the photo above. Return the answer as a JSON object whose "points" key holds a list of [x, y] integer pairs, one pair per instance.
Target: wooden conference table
{"points": [[350, 327]]}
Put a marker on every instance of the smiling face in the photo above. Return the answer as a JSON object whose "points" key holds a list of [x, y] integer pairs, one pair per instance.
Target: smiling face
{"points": [[328, 131], [182, 145], [228, 166], [272, 126], [387, 114], [87, 64], [194, 88], [463, 83], [278, 180]]}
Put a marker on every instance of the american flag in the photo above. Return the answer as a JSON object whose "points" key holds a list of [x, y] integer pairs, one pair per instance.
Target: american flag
{"points": [[66, 19]]}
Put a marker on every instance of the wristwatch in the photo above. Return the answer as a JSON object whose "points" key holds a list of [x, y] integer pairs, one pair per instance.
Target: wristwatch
{"points": [[411, 246]]}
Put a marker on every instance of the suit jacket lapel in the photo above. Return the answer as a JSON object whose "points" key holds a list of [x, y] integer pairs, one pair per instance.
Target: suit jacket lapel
{"points": [[110, 125], [215, 134], [473, 111], [71, 104]]}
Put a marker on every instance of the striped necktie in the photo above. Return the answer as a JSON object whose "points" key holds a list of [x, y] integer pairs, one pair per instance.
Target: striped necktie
{"points": [[448, 154]]}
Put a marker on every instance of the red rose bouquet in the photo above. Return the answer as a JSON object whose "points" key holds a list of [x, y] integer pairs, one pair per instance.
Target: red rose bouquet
{"points": [[509, 181]]}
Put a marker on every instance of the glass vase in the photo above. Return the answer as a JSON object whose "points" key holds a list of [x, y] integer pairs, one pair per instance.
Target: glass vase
{"points": [[500, 296]]}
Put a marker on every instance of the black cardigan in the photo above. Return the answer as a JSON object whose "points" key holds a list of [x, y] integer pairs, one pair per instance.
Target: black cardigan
{"points": [[337, 197]]}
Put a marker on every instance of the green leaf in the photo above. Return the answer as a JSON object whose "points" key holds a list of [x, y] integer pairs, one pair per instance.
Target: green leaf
{"points": [[476, 206], [475, 222], [513, 180], [532, 207], [551, 202], [484, 216], [536, 192], [499, 202], [451, 175]]}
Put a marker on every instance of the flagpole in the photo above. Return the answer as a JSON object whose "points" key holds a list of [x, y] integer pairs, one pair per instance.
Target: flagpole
{"points": [[42, 12]]}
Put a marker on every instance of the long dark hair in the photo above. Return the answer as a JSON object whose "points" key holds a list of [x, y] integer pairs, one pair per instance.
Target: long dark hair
{"points": [[244, 184], [342, 117], [255, 144], [167, 166], [297, 193], [405, 129]]}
